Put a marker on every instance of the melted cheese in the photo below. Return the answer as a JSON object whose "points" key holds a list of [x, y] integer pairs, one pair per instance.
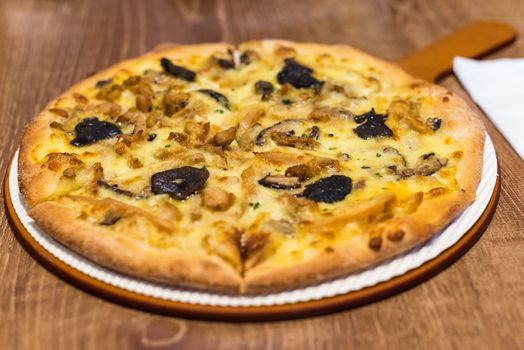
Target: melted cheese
{"points": [[361, 160]]}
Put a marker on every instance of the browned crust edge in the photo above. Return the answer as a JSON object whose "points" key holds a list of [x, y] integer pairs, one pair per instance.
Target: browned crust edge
{"points": [[357, 255], [342, 260], [170, 266]]}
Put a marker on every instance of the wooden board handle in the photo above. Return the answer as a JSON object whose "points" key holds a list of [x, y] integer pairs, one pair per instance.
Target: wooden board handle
{"points": [[475, 40]]}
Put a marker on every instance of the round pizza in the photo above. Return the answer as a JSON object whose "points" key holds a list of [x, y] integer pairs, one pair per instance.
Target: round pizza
{"points": [[251, 168]]}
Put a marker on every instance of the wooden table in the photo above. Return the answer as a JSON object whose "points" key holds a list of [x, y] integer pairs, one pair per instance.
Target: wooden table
{"points": [[45, 46]]}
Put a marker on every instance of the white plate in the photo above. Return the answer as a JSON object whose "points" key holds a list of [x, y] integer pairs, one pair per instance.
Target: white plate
{"points": [[366, 278]]}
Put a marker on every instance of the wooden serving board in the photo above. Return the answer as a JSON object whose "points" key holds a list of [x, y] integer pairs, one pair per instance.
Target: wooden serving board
{"points": [[430, 63], [475, 40]]}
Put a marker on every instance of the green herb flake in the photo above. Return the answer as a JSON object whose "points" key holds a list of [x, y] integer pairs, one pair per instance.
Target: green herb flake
{"points": [[332, 148], [331, 135], [221, 111], [378, 174], [167, 146], [255, 205], [378, 155], [286, 101], [365, 167]]}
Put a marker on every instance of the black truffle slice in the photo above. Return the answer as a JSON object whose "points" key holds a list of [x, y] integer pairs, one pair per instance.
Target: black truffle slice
{"points": [[434, 123], [101, 83], [91, 130], [297, 75], [179, 183], [329, 189], [226, 64], [217, 96], [372, 125], [177, 71]]}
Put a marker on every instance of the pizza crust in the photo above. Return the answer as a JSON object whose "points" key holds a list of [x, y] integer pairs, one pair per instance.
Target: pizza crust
{"points": [[356, 255], [200, 270], [169, 266]]}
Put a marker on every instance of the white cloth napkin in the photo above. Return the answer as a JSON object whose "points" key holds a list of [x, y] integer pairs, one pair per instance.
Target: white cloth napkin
{"points": [[497, 86]]}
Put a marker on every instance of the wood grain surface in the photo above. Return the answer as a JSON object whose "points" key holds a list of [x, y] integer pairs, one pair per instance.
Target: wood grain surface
{"points": [[46, 45]]}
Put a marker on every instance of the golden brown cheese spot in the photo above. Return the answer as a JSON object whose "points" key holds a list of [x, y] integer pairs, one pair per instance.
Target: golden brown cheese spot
{"points": [[375, 243], [225, 242], [60, 112], [412, 202], [58, 161], [180, 138], [437, 191], [395, 236], [457, 155], [217, 199], [254, 247], [285, 52], [110, 93]]}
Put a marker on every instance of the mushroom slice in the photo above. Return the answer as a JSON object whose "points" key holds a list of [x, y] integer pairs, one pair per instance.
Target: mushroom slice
{"points": [[283, 125], [179, 183], [303, 171], [426, 165], [248, 127], [225, 137], [429, 164], [111, 217], [116, 189], [322, 164], [280, 158], [278, 182], [313, 132], [395, 157], [264, 88], [217, 96], [324, 114], [288, 139], [177, 71]]}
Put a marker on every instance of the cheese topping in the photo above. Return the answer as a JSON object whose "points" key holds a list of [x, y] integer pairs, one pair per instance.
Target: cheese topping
{"points": [[288, 134]]}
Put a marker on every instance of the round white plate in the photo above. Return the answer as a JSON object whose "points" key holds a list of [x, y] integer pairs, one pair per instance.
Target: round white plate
{"points": [[366, 278]]}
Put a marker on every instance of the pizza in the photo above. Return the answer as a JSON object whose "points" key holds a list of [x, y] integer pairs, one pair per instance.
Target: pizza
{"points": [[249, 169]]}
